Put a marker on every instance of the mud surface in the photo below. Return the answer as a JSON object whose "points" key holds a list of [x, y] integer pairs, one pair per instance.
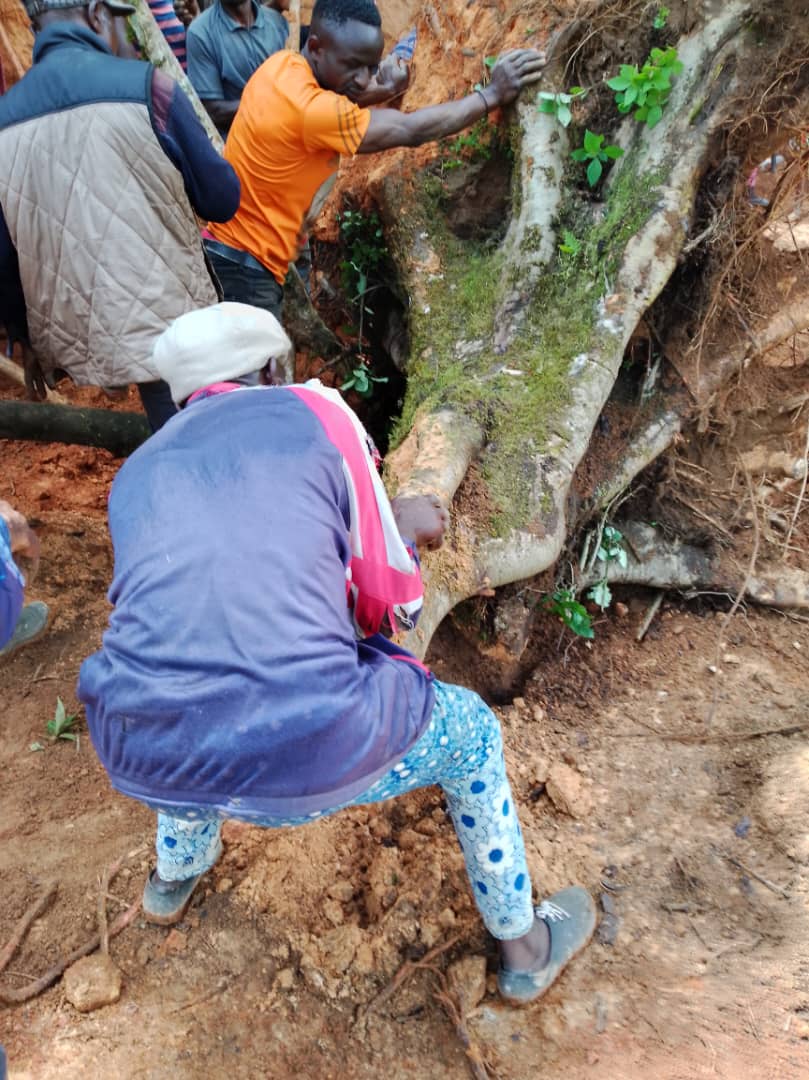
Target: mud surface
{"points": [[699, 967]]}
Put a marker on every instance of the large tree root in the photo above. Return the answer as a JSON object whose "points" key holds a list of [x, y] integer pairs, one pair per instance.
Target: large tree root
{"points": [[118, 432], [667, 162], [661, 563]]}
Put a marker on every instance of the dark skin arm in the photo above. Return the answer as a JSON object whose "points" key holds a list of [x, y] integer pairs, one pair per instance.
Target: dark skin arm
{"points": [[222, 113], [389, 128]]}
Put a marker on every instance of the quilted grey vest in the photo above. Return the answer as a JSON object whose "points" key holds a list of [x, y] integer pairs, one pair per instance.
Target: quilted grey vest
{"points": [[108, 245]]}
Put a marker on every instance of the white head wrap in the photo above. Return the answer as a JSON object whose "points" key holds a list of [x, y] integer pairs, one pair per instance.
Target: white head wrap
{"points": [[217, 343]]}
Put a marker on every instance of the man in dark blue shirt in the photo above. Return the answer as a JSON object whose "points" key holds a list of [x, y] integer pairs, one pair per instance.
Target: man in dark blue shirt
{"points": [[225, 45]]}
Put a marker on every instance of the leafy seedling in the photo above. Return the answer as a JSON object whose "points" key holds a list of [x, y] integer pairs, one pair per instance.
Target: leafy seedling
{"points": [[661, 18], [558, 105], [594, 152], [362, 381], [611, 549], [563, 603], [61, 727], [646, 90]]}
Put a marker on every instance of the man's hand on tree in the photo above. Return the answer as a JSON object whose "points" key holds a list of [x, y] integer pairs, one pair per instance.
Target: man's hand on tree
{"points": [[513, 71], [24, 540], [186, 11], [422, 519]]}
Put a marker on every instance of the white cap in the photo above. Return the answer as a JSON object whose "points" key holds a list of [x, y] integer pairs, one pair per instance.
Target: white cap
{"points": [[217, 343]]}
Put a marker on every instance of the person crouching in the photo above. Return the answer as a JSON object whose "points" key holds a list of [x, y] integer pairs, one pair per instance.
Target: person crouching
{"points": [[246, 672]]}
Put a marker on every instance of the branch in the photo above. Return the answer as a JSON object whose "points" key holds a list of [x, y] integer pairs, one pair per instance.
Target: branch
{"points": [[158, 51], [785, 324]]}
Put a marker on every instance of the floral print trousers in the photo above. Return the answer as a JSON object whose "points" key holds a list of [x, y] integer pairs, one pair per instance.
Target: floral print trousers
{"points": [[461, 751]]}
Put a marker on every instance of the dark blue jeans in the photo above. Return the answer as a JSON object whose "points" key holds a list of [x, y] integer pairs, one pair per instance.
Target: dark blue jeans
{"points": [[246, 284], [157, 403]]}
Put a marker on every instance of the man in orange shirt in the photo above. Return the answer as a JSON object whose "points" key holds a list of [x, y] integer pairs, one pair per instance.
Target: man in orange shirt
{"points": [[298, 115]]}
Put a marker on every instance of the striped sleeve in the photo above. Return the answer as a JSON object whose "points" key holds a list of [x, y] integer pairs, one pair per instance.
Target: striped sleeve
{"points": [[332, 122], [171, 27]]}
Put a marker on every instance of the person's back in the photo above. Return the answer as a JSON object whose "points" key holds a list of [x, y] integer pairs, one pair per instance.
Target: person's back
{"points": [[285, 141], [77, 147], [231, 538], [102, 167]]}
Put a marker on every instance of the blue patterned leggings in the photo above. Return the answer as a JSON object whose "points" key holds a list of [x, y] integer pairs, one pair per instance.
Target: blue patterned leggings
{"points": [[462, 751]]}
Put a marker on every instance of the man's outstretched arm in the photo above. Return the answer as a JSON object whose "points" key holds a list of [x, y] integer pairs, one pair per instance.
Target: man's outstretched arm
{"points": [[388, 128]]}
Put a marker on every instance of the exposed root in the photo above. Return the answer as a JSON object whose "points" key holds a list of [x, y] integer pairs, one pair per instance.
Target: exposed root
{"points": [[22, 927], [436, 455], [670, 159], [17, 997]]}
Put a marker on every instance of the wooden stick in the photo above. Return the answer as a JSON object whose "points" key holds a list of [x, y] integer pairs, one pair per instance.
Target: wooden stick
{"points": [[654, 607], [16, 997], [729, 736], [15, 373], [764, 881], [157, 50], [21, 929], [407, 969], [294, 40]]}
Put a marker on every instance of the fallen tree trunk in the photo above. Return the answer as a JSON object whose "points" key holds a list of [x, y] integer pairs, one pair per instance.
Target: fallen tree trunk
{"points": [[118, 432]]}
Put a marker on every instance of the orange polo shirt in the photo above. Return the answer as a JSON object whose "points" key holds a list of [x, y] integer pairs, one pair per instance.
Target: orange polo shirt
{"points": [[285, 142]]}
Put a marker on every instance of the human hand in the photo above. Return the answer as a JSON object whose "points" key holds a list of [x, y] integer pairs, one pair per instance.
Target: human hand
{"points": [[36, 382], [393, 75], [422, 519], [513, 70], [186, 11], [24, 541]]}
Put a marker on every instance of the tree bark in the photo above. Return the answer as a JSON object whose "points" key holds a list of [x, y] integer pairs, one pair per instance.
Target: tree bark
{"points": [[629, 253], [118, 432], [158, 52]]}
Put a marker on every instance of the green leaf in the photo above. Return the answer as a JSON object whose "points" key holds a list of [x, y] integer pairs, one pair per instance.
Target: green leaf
{"points": [[36, 746], [613, 152], [630, 96], [547, 104], [618, 82], [489, 62], [600, 594], [564, 115], [594, 171], [579, 621], [67, 735], [571, 245], [577, 91], [592, 142], [654, 116], [580, 155]]}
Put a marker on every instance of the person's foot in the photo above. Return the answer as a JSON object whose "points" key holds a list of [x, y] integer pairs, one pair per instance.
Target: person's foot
{"points": [[165, 902], [563, 925], [31, 625]]}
